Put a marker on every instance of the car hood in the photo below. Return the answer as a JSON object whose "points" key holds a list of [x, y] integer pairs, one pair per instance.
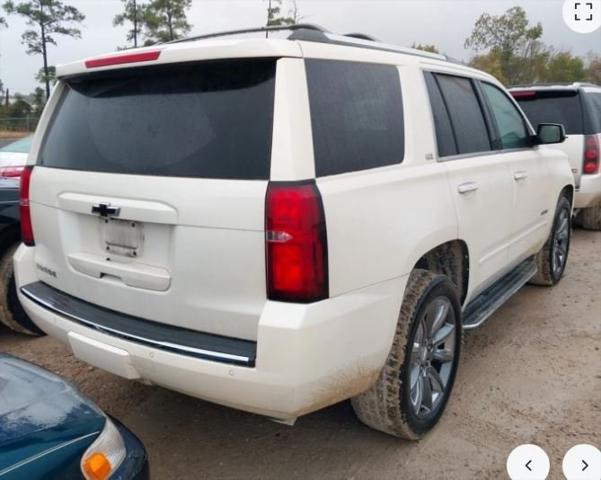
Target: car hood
{"points": [[40, 411]]}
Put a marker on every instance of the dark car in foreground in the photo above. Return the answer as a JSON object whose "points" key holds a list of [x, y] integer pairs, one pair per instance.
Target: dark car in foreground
{"points": [[49, 430], [12, 161]]}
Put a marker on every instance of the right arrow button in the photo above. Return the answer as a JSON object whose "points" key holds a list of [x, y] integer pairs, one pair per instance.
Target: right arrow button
{"points": [[582, 462]]}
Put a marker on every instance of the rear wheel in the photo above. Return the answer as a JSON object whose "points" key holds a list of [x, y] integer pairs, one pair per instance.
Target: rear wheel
{"points": [[591, 218], [412, 390], [11, 312], [553, 258]]}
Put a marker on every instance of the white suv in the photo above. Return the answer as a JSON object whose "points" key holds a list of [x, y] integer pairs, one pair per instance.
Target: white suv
{"points": [[577, 106], [277, 225]]}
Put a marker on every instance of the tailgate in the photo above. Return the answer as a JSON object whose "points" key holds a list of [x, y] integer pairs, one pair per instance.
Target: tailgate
{"points": [[148, 195]]}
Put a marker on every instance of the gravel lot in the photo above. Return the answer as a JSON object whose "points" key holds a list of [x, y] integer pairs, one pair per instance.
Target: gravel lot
{"points": [[532, 374]]}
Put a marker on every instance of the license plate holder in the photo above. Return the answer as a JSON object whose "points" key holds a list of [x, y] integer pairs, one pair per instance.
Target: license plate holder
{"points": [[122, 237]]}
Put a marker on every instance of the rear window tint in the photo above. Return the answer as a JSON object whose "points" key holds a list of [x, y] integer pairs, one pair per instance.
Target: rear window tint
{"points": [[210, 120], [554, 107], [594, 102], [357, 115], [445, 137], [467, 118]]}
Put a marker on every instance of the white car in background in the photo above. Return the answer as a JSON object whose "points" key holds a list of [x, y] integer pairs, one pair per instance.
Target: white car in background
{"points": [[577, 107]]}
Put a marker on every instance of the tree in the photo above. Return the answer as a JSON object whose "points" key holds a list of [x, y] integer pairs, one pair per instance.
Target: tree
{"points": [[564, 67], [275, 18], [165, 20], [425, 47], [38, 101], [510, 39], [42, 76], [49, 18], [133, 12], [593, 72], [19, 107]]}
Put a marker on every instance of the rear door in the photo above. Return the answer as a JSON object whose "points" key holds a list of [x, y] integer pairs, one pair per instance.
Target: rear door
{"points": [[479, 178], [558, 106], [149, 189]]}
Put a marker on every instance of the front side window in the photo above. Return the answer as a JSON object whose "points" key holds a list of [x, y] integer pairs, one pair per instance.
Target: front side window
{"points": [[510, 123], [356, 115]]}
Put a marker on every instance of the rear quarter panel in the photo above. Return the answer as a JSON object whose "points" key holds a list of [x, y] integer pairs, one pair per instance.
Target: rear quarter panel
{"points": [[381, 221]]}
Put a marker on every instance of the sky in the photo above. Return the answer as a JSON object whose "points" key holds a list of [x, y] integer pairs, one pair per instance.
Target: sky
{"points": [[444, 23]]}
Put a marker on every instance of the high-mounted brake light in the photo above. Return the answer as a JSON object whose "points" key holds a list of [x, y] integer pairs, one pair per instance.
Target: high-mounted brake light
{"points": [[24, 210], [123, 58], [523, 93], [296, 243], [590, 165]]}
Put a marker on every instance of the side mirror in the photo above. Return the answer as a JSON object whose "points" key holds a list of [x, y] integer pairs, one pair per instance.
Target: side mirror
{"points": [[549, 133]]}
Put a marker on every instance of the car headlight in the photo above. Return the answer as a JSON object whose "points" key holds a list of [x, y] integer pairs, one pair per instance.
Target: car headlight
{"points": [[105, 455]]}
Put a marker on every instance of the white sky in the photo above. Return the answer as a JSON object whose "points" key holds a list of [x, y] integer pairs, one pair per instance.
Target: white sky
{"points": [[445, 23]]}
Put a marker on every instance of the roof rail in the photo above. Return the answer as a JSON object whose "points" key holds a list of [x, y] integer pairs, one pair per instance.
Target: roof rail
{"points": [[308, 32], [266, 30], [361, 36]]}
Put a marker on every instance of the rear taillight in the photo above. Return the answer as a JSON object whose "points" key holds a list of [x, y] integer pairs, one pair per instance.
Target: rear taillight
{"points": [[11, 172], [590, 164], [24, 210], [296, 243]]}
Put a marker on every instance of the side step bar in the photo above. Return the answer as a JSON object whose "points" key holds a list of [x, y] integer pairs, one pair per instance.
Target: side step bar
{"points": [[488, 302]]}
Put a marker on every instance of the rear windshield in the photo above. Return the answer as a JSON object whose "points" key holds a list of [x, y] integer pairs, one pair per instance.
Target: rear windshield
{"points": [[554, 107], [210, 120]]}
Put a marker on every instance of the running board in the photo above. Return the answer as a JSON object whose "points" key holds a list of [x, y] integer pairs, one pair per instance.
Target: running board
{"points": [[488, 302]]}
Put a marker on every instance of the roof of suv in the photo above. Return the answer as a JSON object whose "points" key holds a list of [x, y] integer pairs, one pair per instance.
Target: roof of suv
{"points": [[225, 45]]}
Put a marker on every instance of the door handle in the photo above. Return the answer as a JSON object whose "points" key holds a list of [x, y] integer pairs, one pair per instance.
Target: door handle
{"points": [[467, 187], [520, 175]]}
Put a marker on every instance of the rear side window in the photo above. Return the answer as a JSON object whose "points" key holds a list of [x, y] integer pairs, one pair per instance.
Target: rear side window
{"points": [[553, 107], [210, 120], [445, 137], [465, 111], [594, 102], [356, 114]]}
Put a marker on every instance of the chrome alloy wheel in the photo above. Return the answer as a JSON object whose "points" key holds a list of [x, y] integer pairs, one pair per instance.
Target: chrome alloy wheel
{"points": [[432, 356], [561, 242]]}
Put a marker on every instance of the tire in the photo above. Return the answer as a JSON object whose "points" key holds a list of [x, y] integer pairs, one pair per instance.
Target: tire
{"points": [[391, 405], [12, 314], [553, 258], [591, 218]]}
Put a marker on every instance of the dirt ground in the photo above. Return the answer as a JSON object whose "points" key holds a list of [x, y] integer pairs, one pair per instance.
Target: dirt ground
{"points": [[532, 374]]}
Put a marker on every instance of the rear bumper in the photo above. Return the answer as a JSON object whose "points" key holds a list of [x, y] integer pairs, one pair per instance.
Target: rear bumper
{"points": [[307, 356], [589, 193]]}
